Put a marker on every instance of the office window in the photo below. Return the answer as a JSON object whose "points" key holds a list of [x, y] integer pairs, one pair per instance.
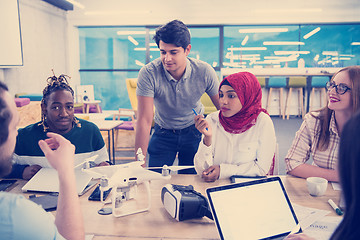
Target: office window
{"points": [[109, 55], [110, 87], [204, 45], [112, 48], [331, 45], [261, 46]]}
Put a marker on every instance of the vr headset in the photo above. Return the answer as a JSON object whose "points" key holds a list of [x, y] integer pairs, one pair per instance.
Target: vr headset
{"points": [[183, 202]]}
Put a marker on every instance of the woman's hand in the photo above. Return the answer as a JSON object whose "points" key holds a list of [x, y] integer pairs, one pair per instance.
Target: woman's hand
{"points": [[204, 127], [211, 174]]}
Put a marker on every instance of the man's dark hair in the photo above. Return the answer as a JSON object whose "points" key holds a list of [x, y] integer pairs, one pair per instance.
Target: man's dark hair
{"points": [[5, 115], [174, 32]]}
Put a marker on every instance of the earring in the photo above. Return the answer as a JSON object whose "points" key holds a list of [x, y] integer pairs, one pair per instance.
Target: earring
{"points": [[77, 122], [46, 128]]}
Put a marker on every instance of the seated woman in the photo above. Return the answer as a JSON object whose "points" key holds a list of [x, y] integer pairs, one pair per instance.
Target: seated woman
{"points": [[319, 134], [349, 168], [57, 107], [240, 138]]}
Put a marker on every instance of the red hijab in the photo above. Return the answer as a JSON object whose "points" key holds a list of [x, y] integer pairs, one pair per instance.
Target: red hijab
{"points": [[248, 89]]}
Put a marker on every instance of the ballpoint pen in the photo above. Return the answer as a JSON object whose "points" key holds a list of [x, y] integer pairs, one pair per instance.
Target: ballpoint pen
{"points": [[208, 173], [196, 115], [335, 207]]}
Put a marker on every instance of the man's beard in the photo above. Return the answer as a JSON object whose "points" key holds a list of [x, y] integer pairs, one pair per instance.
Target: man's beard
{"points": [[5, 165]]}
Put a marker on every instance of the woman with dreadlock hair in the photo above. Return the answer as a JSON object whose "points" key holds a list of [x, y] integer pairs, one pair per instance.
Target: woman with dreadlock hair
{"points": [[57, 115]]}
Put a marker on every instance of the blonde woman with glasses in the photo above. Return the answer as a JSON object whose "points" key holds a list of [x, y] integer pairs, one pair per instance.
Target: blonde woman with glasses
{"points": [[319, 134]]}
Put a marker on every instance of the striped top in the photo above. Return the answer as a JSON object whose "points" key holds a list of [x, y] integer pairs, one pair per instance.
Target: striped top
{"points": [[305, 145]]}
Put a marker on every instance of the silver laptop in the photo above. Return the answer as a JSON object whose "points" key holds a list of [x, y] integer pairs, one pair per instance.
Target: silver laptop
{"points": [[47, 180], [258, 209]]}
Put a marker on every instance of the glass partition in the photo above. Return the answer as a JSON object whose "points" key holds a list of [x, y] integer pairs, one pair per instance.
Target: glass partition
{"points": [[205, 45], [112, 48], [261, 46], [331, 45], [109, 55]]}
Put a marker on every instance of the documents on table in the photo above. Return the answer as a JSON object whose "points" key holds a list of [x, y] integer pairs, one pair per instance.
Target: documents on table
{"points": [[324, 228], [308, 216], [315, 223]]}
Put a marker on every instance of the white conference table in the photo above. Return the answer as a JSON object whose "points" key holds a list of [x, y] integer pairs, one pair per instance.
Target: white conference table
{"points": [[158, 224], [109, 126]]}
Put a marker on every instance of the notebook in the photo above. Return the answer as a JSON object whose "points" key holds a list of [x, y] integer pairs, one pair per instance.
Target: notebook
{"points": [[258, 209], [46, 180]]}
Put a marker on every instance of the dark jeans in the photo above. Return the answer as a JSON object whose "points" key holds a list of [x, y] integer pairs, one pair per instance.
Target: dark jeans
{"points": [[165, 144]]}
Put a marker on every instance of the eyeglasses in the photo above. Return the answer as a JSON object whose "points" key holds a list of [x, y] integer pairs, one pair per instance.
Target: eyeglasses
{"points": [[341, 88]]}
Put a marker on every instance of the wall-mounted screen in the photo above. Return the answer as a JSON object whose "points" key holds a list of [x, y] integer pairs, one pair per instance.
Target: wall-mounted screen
{"points": [[10, 40]]}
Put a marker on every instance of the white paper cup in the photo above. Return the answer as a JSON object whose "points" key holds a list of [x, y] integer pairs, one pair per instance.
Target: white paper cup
{"points": [[317, 186]]}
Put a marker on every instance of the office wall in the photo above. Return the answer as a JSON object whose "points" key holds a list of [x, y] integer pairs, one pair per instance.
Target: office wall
{"points": [[44, 30]]}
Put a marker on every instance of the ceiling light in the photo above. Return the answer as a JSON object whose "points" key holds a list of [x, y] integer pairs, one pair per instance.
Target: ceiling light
{"points": [[246, 48], [262, 30], [242, 57], [251, 55], [282, 43], [246, 38], [140, 32], [309, 34], [346, 55], [274, 57], [344, 58], [290, 52], [355, 43], [139, 63], [331, 53], [131, 39], [144, 49]]}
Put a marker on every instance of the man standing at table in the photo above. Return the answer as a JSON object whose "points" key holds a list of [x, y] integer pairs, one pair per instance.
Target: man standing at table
{"points": [[21, 218], [174, 84]]}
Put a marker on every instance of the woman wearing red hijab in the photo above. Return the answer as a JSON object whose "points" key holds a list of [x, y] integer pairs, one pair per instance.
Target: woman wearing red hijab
{"points": [[240, 138]]}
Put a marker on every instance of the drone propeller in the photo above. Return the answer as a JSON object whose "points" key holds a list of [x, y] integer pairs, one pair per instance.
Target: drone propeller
{"points": [[172, 168], [86, 162]]}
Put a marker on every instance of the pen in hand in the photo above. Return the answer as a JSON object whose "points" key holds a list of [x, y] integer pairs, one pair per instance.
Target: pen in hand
{"points": [[196, 115], [208, 173]]}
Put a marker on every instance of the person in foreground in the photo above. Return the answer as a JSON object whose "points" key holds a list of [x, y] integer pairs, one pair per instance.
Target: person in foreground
{"points": [[240, 138], [349, 168], [57, 108], [319, 134], [20, 218], [174, 84]]}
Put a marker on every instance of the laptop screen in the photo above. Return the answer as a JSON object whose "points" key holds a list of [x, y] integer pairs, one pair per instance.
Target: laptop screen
{"points": [[257, 209]]}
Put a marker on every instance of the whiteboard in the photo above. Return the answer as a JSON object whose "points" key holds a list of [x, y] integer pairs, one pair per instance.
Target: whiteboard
{"points": [[10, 40]]}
